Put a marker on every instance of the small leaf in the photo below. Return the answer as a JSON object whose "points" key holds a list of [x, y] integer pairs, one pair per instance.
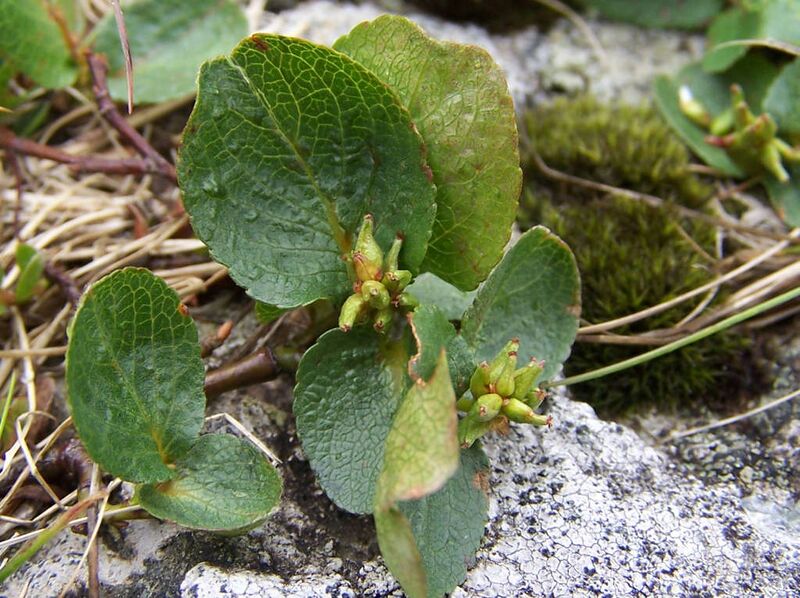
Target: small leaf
{"points": [[169, 41], [31, 266], [222, 484], [459, 100], [431, 289], [31, 40], [678, 14], [267, 313], [532, 294], [422, 446], [426, 543], [432, 332], [277, 179], [781, 101], [732, 24], [134, 376]]}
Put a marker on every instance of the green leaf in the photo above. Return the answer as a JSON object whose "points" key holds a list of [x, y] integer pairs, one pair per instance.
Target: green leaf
{"points": [[350, 386], [134, 376], [678, 14], [426, 543], [289, 145], [781, 101], [31, 266], [732, 24], [266, 313], [431, 289], [432, 332], [222, 484], [422, 446], [785, 197], [169, 41], [533, 294], [773, 21], [459, 100], [32, 41]]}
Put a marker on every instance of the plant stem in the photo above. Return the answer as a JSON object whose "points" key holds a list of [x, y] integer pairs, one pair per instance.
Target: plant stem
{"points": [[674, 346], [7, 405], [258, 367]]}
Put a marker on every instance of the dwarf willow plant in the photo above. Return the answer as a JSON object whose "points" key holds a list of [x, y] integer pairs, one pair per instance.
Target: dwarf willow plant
{"points": [[340, 174]]}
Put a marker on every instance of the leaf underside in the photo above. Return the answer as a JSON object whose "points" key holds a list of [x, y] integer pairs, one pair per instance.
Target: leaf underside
{"points": [[288, 146], [222, 484], [134, 376]]}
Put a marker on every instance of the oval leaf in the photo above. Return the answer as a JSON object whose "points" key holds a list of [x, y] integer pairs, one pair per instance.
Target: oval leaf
{"points": [[31, 40], [533, 294], [169, 41], [134, 376], [222, 484], [431, 289], [349, 388], [422, 447], [289, 145], [459, 100], [426, 543]]}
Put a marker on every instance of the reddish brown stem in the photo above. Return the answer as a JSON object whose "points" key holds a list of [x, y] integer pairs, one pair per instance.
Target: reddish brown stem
{"points": [[253, 369], [10, 141], [68, 286], [98, 68]]}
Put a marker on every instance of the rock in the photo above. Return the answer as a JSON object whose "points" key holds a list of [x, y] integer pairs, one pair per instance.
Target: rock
{"points": [[586, 507], [537, 66]]}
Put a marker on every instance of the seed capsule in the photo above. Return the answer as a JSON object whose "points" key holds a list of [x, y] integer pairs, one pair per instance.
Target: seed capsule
{"points": [[365, 270], [391, 264], [488, 407], [407, 301], [525, 378], [535, 398], [504, 385], [352, 308], [497, 364], [465, 403], [375, 294], [396, 280], [383, 320], [470, 429], [479, 382], [517, 411], [366, 243]]}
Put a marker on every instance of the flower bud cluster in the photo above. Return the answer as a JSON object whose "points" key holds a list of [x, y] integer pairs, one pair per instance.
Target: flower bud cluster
{"points": [[379, 290], [750, 140], [500, 393]]}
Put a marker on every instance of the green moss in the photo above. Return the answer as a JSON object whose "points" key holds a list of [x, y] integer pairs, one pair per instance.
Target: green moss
{"points": [[624, 146], [631, 256]]}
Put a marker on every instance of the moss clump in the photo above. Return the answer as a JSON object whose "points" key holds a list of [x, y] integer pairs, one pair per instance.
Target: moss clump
{"points": [[624, 146], [631, 256]]}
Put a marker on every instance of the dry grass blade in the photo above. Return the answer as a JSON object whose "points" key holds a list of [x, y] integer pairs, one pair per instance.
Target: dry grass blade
{"points": [[126, 50]]}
